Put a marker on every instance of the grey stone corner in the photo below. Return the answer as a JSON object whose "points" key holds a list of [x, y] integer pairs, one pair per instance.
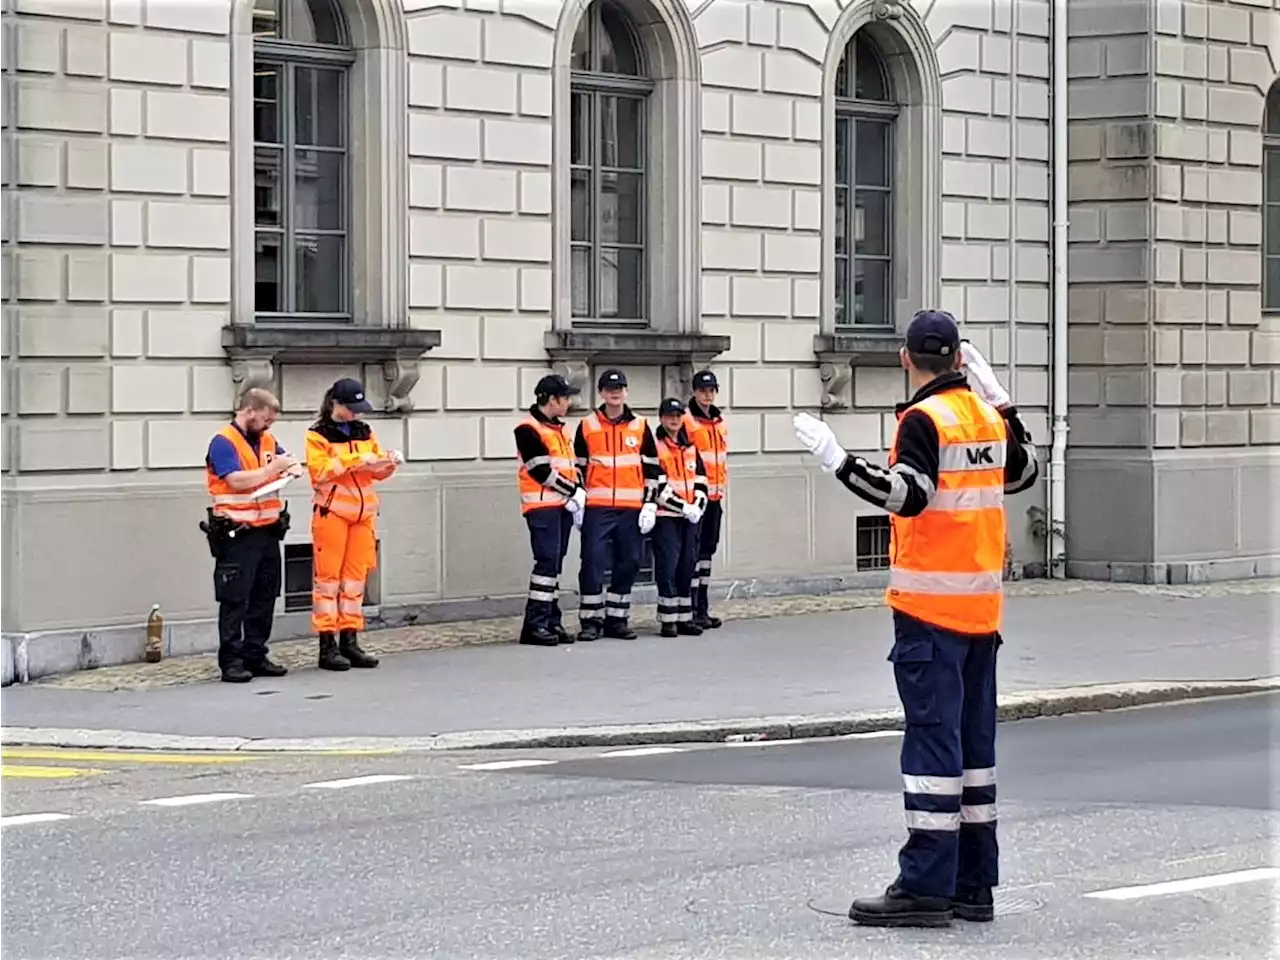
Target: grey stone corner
{"points": [[257, 350], [574, 353], [838, 353]]}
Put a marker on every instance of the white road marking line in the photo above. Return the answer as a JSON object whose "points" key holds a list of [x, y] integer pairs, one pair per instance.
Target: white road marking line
{"points": [[21, 818], [505, 764], [1187, 885], [643, 751], [356, 781], [195, 798]]}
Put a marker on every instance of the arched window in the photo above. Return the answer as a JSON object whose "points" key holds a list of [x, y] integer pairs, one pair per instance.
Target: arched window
{"points": [[302, 57], [866, 111], [610, 97], [1271, 200]]}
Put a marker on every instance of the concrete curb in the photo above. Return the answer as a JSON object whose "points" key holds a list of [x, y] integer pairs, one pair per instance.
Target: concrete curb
{"points": [[1018, 706]]}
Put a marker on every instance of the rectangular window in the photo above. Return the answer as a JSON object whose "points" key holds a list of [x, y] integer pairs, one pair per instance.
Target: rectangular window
{"points": [[864, 221], [1271, 225], [297, 577], [873, 534]]}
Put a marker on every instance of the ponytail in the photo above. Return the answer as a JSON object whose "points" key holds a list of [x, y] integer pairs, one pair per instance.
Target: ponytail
{"points": [[326, 406]]}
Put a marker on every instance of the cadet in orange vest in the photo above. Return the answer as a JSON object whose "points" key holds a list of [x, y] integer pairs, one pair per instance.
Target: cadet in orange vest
{"points": [[618, 461], [345, 461], [710, 434], [245, 530], [953, 458], [551, 500], [682, 498]]}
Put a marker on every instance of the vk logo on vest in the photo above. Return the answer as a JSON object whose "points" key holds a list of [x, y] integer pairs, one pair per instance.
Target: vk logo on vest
{"points": [[979, 455]]}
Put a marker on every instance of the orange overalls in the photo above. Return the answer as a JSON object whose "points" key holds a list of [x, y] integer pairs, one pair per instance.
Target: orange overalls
{"points": [[343, 515]]}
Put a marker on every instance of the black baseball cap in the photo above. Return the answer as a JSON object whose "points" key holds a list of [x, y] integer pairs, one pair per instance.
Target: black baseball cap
{"points": [[934, 333], [705, 378], [669, 406], [350, 393], [554, 385], [612, 379]]}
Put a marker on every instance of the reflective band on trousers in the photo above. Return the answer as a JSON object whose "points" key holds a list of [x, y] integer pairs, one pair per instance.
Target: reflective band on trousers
{"points": [[933, 786], [928, 820], [978, 813], [980, 777]]}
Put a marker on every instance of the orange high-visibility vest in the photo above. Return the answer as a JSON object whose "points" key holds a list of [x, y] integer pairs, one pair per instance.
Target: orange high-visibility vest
{"points": [[339, 489], [711, 437], [615, 472], [946, 565], [533, 495], [680, 465], [240, 505]]}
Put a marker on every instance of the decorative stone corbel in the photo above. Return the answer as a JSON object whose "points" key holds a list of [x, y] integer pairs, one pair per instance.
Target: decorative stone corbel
{"points": [[249, 372], [677, 380], [836, 380], [578, 374], [887, 10], [401, 376]]}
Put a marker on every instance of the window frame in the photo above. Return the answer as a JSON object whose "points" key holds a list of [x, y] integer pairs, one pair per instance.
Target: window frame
{"points": [[595, 87], [849, 111], [1270, 155], [288, 56]]}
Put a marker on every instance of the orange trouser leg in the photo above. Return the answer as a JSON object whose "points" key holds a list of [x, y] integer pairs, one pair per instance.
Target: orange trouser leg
{"points": [[360, 558], [328, 548]]}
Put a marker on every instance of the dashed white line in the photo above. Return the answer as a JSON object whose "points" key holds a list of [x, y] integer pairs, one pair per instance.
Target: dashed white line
{"points": [[643, 751], [505, 764], [194, 798], [356, 781], [1187, 885], [21, 818]]}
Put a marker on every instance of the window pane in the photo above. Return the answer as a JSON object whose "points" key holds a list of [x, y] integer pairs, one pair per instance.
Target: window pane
{"points": [[620, 119], [318, 190], [620, 213], [1272, 122], [1272, 242], [315, 21], [580, 270], [580, 58], [870, 83], [268, 202], [318, 106], [580, 206], [842, 291], [871, 154], [871, 225], [320, 269], [619, 53], [266, 103], [621, 284], [1271, 185], [266, 18], [268, 271], [1271, 288], [580, 129], [844, 149], [842, 76], [842, 221], [871, 292]]}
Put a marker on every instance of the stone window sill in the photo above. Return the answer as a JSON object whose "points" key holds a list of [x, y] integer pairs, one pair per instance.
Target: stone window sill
{"points": [[840, 352], [255, 350], [575, 352]]}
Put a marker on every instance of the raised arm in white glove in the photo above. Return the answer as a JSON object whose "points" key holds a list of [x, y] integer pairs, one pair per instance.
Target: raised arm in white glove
{"points": [[819, 440], [648, 517], [981, 377]]}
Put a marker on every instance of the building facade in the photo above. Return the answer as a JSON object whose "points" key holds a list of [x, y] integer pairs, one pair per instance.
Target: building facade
{"points": [[447, 198]]}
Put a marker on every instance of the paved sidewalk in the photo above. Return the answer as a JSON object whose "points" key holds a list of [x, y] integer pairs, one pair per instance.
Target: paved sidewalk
{"points": [[813, 664]]}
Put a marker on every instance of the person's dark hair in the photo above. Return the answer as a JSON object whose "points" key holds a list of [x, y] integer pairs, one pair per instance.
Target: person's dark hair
{"points": [[326, 406], [933, 363]]}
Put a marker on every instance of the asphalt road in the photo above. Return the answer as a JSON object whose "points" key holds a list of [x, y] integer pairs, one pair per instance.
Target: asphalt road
{"points": [[740, 852]]}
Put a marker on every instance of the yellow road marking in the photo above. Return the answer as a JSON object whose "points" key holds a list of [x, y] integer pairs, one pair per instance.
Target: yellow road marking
{"points": [[126, 756], [34, 772]]}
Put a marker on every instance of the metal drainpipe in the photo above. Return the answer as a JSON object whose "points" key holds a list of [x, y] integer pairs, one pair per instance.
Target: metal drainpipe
{"points": [[1055, 539], [1012, 328]]}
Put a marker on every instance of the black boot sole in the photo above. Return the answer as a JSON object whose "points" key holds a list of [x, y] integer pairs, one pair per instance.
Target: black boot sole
{"points": [[237, 678], [336, 667], [920, 918], [973, 912]]}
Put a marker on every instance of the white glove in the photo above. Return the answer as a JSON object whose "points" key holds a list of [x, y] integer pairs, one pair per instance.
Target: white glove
{"points": [[576, 502], [648, 517], [577, 518], [692, 512], [396, 456], [818, 438], [981, 377]]}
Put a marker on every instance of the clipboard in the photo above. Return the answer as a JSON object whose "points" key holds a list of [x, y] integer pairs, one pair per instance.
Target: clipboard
{"points": [[271, 487]]}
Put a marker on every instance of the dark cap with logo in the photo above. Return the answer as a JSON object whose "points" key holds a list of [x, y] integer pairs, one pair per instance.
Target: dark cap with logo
{"points": [[705, 378], [350, 393], [554, 385], [934, 333], [612, 379], [671, 407]]}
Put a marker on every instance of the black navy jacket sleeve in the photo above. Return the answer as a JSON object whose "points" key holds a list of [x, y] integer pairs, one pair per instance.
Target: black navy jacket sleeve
{"points": [[580, 455], [650, 464], [537, 460]]}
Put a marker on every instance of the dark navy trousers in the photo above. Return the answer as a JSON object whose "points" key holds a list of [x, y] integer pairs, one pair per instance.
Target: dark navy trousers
{"points": [[549, 529], [947, 684], [708, 542], [675, 554], [610, 538]]}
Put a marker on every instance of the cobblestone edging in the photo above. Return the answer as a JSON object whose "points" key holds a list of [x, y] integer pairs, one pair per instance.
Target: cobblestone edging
{"points": [[301, 654]]}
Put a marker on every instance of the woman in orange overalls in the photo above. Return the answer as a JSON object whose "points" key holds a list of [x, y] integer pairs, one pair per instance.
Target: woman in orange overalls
{"points": [[345, 461]]}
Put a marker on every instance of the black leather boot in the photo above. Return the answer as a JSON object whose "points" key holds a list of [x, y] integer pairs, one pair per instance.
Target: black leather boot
{"points": [[330, 658], [667, 630], [349, 647], [590, 631], [901, 908], [235, 672], [616, 629], [975, 904], [688, 628]]}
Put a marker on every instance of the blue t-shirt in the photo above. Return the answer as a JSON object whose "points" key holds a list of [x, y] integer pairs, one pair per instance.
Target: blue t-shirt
{"points": [[223, 457]]}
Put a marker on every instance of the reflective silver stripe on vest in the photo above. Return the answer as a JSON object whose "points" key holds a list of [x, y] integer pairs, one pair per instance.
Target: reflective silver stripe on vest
{"points": [[916, 581], [968, 498], [621, 460], [980, 455], [940, 411]]}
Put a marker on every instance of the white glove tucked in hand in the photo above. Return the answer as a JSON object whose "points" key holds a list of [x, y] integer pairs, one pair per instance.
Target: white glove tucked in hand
{"points": [[575, 505], [692, 512], [819, 440], [648, 517], [981, 377]]}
